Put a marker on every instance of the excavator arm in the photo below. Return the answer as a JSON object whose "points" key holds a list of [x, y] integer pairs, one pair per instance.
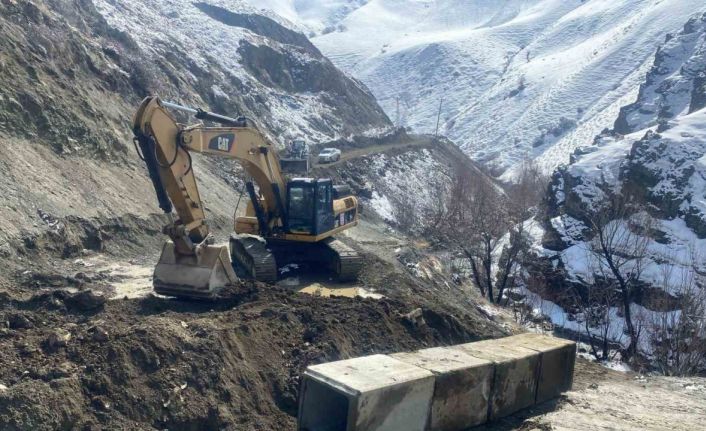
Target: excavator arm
{"points": [[260, 161], [190, 264], [165, 145]]}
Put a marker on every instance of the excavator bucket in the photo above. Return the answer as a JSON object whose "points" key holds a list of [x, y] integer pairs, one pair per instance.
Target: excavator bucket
{"points": [[295, 166], [201, 276]]}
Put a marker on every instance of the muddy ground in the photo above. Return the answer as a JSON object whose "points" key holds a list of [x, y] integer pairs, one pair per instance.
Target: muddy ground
{"points": [[72, 360], [126, 359], [155, 362]]}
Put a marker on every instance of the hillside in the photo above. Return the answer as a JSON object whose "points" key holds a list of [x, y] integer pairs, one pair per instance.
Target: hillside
{"points": [[75, 71], [85, 344], [519, 79], [653, 154]]}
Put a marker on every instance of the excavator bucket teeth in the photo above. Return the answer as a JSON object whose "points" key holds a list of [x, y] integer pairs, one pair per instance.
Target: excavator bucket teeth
{"points": [[201, 276]]}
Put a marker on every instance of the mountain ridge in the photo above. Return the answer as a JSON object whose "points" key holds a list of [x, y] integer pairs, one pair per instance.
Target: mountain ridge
{"points": [[519, 79]]}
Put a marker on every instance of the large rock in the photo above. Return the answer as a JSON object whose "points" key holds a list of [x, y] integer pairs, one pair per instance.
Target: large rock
{"points": [[86, 300]]}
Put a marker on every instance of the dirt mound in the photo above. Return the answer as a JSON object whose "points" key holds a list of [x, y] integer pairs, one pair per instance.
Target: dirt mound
{"points": [[182, 366]]}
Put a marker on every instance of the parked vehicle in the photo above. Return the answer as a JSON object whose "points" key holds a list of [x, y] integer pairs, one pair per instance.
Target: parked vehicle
{"points": [[329, 155]]}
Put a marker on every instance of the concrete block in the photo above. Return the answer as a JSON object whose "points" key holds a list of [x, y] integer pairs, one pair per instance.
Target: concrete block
{"points": [[372, 393], [516, 375], [461, 388], [557, 359]]}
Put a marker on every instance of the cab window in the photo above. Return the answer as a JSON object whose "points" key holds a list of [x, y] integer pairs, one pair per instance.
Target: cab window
{"points": [[301, 208]]}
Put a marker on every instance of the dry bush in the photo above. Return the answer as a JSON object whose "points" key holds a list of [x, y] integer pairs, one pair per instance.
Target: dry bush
{"points": [[618, 254], [678, 337], [486, 225]]}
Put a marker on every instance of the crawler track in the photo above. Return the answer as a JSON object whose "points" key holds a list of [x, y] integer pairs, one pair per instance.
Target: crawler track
{"points": [[252, 256], [345, 261]]}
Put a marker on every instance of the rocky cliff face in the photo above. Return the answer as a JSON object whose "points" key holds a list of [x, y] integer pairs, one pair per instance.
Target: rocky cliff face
{"points": [[234, 61], [655, 155], [240, 61], [654, 150], [674, 85]]}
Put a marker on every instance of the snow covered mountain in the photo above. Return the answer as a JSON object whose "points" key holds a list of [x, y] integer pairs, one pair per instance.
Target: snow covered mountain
{"points": [[656, 148], [518, 78], [656, 154]]}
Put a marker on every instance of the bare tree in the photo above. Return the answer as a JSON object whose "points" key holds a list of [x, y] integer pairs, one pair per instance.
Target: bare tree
{"points": [[523, 198], [620, 239], [435, 213], [477, 221], [488, 229], [528, 190], [595, 303], [678, 331]]}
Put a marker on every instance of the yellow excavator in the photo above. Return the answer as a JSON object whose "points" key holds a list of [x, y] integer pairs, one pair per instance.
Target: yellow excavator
{"points": [[286, 222]]}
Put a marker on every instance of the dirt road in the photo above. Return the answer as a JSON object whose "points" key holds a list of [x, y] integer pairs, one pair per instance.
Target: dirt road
{"points": [[348, 154]]}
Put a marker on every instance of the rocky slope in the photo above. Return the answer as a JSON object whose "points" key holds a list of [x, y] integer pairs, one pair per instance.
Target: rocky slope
{"points": [[655, 153], [74, 72], [78, 220], [246, 62]]}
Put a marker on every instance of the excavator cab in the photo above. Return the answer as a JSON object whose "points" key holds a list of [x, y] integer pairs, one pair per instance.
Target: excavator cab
{"points": [[309, 206]]}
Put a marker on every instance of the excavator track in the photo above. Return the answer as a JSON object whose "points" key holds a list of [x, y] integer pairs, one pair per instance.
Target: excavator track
{"points": [[252, 256], [345, 261]]}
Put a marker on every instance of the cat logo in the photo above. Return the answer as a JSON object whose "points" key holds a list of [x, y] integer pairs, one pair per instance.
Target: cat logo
{"points": [[222, 142]]}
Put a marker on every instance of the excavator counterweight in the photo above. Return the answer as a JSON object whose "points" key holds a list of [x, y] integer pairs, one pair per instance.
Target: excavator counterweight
{"points": [[285, 221]]}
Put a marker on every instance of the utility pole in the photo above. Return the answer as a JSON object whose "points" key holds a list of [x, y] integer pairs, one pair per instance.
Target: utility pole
{"points": [[438, 117]]}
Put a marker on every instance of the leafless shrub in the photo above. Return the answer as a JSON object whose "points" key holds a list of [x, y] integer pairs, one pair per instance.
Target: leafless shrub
{"points": [[488, 228], [595, 304], [526, 311], [618, 248], [526, 193], [678, 337]]}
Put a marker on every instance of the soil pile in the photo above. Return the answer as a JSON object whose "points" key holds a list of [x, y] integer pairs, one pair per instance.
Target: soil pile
{"points": [[163, 363]]}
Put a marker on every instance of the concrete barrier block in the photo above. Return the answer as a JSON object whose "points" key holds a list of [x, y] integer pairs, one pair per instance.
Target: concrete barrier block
{"points": [[372, 393], [516, 375], [557, 359], [461, 388]]}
